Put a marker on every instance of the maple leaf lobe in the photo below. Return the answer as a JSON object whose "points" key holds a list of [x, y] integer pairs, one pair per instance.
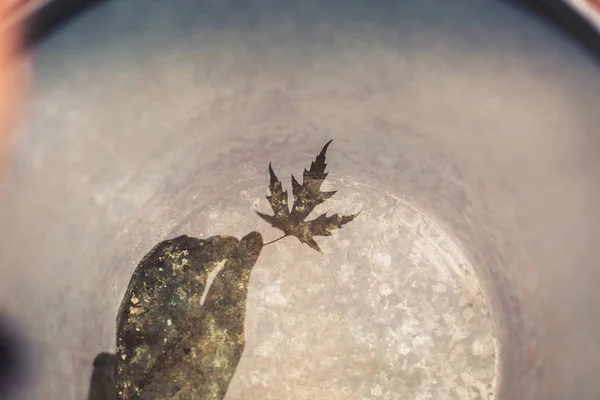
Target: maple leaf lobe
{"points": [[307, 195]]}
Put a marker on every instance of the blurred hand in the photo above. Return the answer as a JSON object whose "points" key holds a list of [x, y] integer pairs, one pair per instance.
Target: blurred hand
{"points": [[13, 72]]}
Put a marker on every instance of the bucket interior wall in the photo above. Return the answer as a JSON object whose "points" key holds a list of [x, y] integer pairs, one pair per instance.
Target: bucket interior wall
{"points": [[151, 119]]}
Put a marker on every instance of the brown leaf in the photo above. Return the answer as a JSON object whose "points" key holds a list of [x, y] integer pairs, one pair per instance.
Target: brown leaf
{"points": [[307, 196], [179, 346]]}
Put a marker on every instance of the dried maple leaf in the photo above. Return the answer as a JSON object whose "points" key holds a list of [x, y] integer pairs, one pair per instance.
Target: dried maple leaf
{"points": [[307, 196]]}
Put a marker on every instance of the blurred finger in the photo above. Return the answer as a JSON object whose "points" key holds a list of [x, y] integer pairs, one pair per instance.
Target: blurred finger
{"points": [[13, 69]]}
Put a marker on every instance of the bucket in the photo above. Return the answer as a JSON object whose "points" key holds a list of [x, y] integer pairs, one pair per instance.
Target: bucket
{"points": [[465, 133]]}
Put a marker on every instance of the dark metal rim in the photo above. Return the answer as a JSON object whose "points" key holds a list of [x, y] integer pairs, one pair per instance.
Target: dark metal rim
{"points": [[53, 15]]}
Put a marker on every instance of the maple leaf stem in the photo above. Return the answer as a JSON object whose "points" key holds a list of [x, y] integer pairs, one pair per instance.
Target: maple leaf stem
{"points": [[273, 241]]}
